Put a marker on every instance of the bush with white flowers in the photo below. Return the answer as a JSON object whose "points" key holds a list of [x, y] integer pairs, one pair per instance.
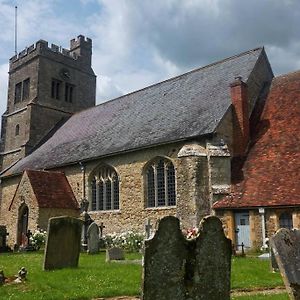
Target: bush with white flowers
{"points": [[130, 241], [38, 239]]}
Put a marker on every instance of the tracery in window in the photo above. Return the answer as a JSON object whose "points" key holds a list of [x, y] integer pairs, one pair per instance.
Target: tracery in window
{"points": [[105, 189], [160, 183]]}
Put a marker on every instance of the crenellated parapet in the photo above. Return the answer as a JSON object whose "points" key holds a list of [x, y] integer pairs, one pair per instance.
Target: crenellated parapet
{"points": [[80, 50]]}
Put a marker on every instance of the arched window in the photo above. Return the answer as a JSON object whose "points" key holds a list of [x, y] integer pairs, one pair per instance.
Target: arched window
{"points": [[160, 183], [17, 130], [105, 189], [286, 220]]}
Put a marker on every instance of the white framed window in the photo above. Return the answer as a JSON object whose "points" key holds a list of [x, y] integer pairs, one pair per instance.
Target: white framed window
{"points": [[160, 183]]}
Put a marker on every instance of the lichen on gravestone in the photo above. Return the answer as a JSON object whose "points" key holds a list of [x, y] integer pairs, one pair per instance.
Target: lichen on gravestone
{"points": [[63, 243], [176, 268], [286, 247]]}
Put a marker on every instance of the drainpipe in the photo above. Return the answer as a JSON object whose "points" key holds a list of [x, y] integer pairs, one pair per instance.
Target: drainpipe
{"points": [[261, 211], [82, 168]]}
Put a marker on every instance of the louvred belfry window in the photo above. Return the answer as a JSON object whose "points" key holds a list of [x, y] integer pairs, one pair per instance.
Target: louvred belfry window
{"points": [[160, 183], [105, 189]]}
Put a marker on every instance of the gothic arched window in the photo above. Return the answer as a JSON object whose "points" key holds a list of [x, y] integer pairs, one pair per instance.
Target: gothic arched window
{"points": [[286, 220], [105, 189], [160, 183]]}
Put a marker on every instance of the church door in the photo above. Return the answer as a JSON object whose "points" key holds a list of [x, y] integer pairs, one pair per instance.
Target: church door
{"points": [[242, 229], [23, 225]]}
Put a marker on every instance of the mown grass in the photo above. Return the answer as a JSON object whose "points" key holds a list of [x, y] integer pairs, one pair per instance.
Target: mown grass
{"points": [[252, 273], [95, 278]]}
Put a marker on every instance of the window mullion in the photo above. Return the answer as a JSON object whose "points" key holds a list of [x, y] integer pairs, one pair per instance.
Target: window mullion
{"points": [[166, 183], [97, 193], [104, 195], [112, 194], [155, 186]]}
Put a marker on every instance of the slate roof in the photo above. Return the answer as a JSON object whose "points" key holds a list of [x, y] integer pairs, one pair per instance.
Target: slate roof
{"points": [[182, 107], [52, 189], [270, 176]]}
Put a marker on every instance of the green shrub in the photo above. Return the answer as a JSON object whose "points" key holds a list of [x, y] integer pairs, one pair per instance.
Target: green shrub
{"points": [[130, 241]]}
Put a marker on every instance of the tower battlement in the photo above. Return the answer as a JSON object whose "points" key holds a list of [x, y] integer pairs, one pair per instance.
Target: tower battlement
{"points": [[80, 41], [42, 47]]}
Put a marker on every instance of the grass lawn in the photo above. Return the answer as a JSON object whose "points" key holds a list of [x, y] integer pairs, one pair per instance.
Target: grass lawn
{"points": [[95, 278]]}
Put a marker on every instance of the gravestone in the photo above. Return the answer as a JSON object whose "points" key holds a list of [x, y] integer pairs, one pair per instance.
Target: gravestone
{"points": [[63, 243], [93, 239], [181, 269], [274, 264], [148, 228], [286, 247], [3, 235], [114, 253]]}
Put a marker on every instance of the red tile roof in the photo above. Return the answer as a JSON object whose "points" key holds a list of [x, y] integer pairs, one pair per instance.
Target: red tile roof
{"points": [[270, 175], [52, 189]]}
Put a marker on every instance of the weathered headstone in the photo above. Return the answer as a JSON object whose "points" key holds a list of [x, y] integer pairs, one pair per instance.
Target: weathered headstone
{"points": [[63, 243], [286, 246], [164, 262], [148, 228], [274, 264], [93, 238], [176, 268], [212, 269], [3, 235], [114, 253], [101, 227]]}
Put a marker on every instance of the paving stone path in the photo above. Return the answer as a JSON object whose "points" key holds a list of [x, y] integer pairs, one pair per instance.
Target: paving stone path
{"points": [[237, 292], [244, 292]]}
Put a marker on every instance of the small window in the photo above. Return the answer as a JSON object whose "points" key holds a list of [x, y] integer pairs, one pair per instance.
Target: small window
{"points": [[17, 130], [55, 89], [105, 189], [26, 86], [18, 92], [69, 91], [22, 90], [160, 183], [286, 220]]}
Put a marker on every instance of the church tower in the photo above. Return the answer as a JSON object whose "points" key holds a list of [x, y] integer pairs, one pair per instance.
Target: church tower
{"points": [[46, 85]]}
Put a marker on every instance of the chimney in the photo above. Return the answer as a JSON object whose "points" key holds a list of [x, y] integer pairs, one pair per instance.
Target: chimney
{"points": [[238, 90]]}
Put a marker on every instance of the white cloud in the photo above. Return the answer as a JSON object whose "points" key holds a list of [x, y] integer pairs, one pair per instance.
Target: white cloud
{"points": [[138, 43]]}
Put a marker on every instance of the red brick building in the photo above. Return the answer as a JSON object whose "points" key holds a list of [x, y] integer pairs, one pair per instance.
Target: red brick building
{"points": [[265, 184]]}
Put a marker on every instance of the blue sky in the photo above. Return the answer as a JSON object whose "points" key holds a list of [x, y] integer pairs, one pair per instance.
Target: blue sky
{"points": [[137, 43]]}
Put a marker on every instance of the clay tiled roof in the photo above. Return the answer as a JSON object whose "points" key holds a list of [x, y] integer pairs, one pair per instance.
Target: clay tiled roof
{"points": [[270, 175], [180, 108], [52, 189]]}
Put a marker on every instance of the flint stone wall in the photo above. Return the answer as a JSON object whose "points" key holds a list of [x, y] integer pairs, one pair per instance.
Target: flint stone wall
{"points": [[175, 268]]}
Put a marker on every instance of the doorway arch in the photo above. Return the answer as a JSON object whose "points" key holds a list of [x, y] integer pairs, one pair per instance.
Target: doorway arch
{"points": [[22, 225]]}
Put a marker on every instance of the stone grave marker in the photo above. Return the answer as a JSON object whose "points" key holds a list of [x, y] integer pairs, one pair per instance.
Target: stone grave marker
{"points": [[101, 227], [286, 247], [93, 238], [176, 268], [274, 265], [63, 243], [3, 235], [114, 253], [148, 228]]}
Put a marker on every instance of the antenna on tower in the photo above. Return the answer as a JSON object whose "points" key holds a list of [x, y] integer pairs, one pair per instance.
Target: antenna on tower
{"points": [[16, 29]]}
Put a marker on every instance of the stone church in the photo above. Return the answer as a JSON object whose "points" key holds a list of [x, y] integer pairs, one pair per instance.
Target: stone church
{"points": [[182, 147]]}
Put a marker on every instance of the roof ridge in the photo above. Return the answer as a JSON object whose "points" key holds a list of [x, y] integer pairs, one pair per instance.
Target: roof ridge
{"points": [[181, 75]]}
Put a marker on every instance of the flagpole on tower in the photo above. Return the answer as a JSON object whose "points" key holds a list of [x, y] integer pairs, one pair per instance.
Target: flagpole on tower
{"points": [[16, 29]]}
